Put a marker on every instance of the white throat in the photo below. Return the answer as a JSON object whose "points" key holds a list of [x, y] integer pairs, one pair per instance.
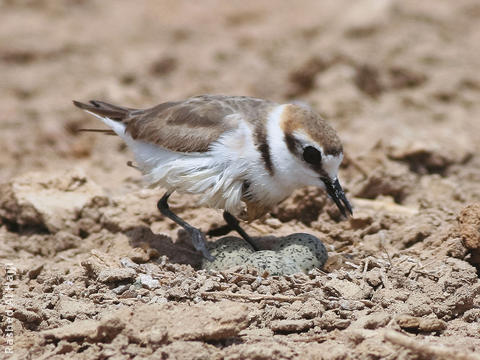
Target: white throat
{"points": [[289, 171]]}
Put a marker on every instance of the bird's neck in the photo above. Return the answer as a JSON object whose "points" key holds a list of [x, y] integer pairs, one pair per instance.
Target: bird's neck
{"points": [[284, 163]]}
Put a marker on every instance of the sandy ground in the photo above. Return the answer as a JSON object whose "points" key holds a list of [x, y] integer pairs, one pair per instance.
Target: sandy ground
{"points": [[91, 270]]}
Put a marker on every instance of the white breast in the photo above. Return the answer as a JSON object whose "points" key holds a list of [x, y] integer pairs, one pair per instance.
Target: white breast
{"points": [[217, 175]]}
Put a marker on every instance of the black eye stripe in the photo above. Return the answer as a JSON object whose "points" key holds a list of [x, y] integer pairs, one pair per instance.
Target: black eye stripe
{"points": [[312, 155]]}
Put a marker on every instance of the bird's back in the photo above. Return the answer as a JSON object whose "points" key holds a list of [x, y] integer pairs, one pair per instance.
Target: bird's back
{"points": [[191, 125]]}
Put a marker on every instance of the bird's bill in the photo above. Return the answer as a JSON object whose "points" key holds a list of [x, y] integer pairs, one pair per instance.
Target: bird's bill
{"points": [[336, 193]]}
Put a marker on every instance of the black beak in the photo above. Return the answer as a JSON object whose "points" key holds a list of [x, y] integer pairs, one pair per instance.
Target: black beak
{"points": [[335, 192]]}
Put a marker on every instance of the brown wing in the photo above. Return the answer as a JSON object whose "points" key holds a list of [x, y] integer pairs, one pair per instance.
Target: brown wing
{"points": [[185, 126]]}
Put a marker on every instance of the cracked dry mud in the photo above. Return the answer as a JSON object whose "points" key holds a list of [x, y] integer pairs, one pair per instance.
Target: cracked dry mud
{"points": [[91, 270]]}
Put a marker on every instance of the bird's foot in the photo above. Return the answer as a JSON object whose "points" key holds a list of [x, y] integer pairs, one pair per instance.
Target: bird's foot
{"points": [[200, 243]]}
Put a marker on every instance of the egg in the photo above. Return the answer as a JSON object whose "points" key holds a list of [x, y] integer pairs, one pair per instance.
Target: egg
{"points": [[295, 253]]}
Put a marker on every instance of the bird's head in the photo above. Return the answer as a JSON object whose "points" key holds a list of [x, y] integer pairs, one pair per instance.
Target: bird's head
{"points": [[318, 151]]}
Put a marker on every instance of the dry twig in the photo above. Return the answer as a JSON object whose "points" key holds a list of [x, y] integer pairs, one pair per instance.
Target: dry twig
{"points": [[439, 352], [252, 297]]}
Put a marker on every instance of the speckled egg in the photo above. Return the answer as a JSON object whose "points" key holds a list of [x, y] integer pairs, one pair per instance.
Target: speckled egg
{"points": [[273, 262], [228, 252], [292, 254], [305, 250]]}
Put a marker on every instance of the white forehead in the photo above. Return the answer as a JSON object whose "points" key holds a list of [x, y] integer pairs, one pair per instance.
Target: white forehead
{"points": [[331, 163]]}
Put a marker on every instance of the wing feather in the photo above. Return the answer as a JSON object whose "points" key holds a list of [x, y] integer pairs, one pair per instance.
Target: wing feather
{"points": [[184, 126]]}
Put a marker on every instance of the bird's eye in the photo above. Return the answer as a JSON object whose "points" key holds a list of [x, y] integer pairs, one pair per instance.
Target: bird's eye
{"points": [[312, 155]]}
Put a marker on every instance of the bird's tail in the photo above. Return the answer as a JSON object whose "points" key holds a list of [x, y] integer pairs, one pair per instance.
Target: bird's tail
{"points": [[116, 117], [105, 110]]}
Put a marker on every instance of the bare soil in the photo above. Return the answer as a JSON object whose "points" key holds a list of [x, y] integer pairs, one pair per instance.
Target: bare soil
{"points": [[91, 270]]}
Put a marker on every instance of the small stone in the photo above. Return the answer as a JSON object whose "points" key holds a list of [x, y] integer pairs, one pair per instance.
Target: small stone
{"points": [[158, 300], [290, 326], [408, 322], [469, 226], [330, 321], [147, 281], [116, 275], [119, 290], [209, 285], [432, 324], [374, 277], [129, 294], [345, 289], [472, 315], [375, 320], [414, 323], [128, 263], [138, 255]]}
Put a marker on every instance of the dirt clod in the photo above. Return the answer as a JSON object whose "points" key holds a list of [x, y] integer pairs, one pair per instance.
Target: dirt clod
{"points": [[412, 323], [469, 223]]}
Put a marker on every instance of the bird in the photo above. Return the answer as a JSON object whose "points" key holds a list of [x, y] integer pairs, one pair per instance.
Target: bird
{"points": [[241, 154]]}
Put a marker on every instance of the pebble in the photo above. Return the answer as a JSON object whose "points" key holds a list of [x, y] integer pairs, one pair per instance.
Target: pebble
{"points": [[128, 263], [147, 281]]}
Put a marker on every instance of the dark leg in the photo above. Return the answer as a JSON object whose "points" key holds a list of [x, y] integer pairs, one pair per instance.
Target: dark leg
{"points": [[198, 239], [233, 223], [220, 231]]}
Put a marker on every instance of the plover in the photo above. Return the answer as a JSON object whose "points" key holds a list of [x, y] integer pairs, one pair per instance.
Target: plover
{"points": [[242, 154]]}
